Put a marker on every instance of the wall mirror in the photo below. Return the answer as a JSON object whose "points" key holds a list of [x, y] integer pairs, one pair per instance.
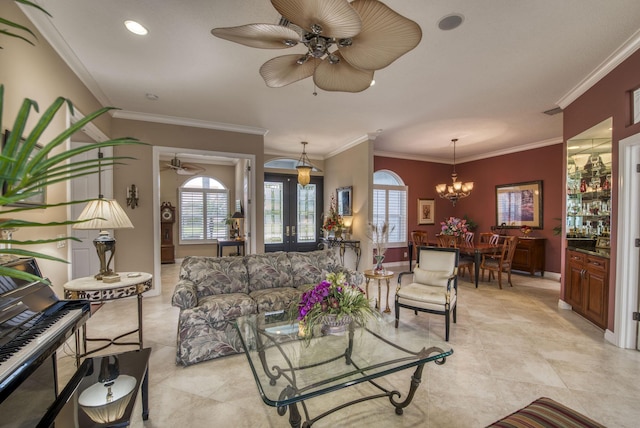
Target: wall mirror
{"points": [[344, 197]]}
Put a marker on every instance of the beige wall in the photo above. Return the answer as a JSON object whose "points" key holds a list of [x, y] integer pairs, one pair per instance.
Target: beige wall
{"points": [[354, 167], [170, 182], [38, 73], [135, 247]]}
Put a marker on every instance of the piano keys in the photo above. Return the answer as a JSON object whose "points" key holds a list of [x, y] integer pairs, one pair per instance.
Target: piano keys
{"points": [[34, 323]]}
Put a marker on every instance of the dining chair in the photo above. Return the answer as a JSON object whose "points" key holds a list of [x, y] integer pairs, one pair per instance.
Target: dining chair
{"points": [[419, 238], [468, 237], [491, 238], [465, 264], [500, 262], [433, 287]]}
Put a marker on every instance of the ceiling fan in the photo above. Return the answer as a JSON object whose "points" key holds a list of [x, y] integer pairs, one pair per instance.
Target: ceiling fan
{"points": [[346, 42], [182, 168]]}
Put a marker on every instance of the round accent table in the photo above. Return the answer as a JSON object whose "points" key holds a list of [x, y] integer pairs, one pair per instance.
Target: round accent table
{"points": [[89, 288], [387, 275]]}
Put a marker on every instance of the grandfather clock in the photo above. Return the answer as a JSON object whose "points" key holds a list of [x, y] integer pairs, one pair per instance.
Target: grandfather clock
{"points": [[167, 218]]}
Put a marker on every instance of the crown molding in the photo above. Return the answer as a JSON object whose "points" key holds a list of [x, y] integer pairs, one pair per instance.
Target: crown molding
{"points": [[182, 121], [513, 149], [348, 145], [616, 58], [43, 23]]}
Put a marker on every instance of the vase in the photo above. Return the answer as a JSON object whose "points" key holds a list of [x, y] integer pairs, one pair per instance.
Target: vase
{"points": [[338, 233], [379, 268], [335, 325]]}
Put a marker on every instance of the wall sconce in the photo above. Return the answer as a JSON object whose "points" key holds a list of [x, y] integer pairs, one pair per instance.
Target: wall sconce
{"points": [[132, 196]]}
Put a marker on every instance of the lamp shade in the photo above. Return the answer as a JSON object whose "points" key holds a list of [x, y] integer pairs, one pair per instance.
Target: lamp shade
{"points": [[106, 403], [103, 214], [304, 175]]}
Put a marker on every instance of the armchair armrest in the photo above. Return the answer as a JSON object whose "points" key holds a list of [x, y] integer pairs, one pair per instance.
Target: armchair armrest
{"points": [[401, 274], [185, 295]]}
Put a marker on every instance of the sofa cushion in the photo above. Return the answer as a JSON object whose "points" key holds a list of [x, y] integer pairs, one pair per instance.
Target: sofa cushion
{"points": [[275, 299], [215, 275], [270, 270], [221, 307], [313, 266]]}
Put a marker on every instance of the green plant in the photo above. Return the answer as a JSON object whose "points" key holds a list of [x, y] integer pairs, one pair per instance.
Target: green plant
{"points": [[20, 31], [24, 172], [471, 225], [334, 296]]}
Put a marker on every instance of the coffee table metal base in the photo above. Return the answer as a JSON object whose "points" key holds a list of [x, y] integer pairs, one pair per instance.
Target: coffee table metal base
{"points": [[290, 391]]}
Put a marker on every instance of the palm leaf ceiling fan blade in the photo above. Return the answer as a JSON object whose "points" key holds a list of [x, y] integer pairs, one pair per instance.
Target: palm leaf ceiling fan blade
{"points": [[333, 18], [284, 70], [385, 36], [341, 76], [264, 36]]}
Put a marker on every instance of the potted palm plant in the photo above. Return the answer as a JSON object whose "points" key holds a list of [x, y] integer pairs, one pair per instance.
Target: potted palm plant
{"points": [[25, 171]]}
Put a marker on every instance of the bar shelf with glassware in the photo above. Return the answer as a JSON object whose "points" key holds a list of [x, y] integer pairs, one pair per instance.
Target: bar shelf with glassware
{"points": [[588, 188]]}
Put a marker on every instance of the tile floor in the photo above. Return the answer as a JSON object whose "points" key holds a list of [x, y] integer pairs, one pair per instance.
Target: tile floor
{"points": [[511, 346]]}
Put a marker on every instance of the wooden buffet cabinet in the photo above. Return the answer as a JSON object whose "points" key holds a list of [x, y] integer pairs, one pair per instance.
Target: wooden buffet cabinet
{"points": [[587, 285], [529, 255]]}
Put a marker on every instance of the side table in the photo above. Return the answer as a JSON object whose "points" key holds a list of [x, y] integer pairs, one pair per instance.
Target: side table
{"points": [[371, 274], [89, 288], [85, 401], [238, 243]]}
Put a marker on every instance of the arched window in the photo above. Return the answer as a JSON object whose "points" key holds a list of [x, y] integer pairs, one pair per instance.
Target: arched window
{"points": [[390, 205], [204, 207]]}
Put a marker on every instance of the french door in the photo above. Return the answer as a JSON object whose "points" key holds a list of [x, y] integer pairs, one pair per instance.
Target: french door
{"points": [[292, 213]]}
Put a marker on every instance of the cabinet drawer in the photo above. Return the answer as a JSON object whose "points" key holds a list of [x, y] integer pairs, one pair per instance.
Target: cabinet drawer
{"points": [[597, 264], [574, 256]]}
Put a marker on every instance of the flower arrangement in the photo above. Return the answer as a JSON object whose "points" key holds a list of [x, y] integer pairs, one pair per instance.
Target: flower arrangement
{"points": [[333, 220], [454, 226], [526, 230], [332, 297]]}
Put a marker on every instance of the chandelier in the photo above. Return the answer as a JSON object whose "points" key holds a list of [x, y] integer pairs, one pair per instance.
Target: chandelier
{"points": [[457, 189], [304, 167]]}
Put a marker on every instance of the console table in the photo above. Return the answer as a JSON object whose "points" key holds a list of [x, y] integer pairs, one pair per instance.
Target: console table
{"points": [[238, 243], [343, 244], [289, 372]]}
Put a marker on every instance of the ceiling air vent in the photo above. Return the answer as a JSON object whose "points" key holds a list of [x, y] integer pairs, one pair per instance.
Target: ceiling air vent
{"points": [[553, 111]]}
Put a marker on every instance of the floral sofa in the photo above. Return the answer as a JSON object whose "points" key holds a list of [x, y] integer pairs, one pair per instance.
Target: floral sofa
{"points": [[213, 291]]}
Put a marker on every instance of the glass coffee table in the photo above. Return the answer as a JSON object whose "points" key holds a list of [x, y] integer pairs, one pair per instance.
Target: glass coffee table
{"points": [[289, 370]]}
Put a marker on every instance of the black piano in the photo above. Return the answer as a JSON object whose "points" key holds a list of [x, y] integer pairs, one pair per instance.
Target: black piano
{"points": [[34, 323]]}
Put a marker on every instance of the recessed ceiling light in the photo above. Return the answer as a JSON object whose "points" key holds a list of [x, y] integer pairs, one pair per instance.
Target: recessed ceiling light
{"points": [[135, 28], [450, 22], [373, 82]]}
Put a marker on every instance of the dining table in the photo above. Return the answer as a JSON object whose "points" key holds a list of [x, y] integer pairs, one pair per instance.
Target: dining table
{"points": [[471, 249], [477, 250]]}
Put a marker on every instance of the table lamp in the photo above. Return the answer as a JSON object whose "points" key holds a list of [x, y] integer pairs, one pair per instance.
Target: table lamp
{"points": [[106, 401], [102, 214], [237, 216]]}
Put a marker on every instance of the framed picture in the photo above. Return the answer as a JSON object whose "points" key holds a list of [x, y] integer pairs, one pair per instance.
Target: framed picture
{"points": [[345, 200], [35, 200], [519, 204], [426, 211]]}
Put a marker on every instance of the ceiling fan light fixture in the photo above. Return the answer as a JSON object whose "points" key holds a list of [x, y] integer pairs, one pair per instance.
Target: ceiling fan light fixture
{"points": [[368, 34]]}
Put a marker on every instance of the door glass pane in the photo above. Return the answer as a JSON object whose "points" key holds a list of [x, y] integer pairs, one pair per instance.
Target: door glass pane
{"points": [[306, 223], [273, 213]]}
